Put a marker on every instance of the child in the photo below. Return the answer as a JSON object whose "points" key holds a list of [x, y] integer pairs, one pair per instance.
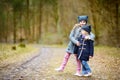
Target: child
{"points": [[85, 50], [75, 33]]}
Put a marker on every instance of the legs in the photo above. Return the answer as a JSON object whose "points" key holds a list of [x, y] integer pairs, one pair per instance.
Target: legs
{"points": [[86, 71], [83, 70], [78, 64], [65, 60], [64, 63]]}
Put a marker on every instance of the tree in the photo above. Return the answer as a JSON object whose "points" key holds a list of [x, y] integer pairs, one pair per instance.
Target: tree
{"points": [[17, 6], [117, 24]]}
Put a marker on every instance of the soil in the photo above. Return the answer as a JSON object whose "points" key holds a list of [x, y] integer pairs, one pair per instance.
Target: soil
{"points": [[41, 67]]}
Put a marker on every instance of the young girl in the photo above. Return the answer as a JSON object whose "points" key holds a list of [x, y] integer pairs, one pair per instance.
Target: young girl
{"points": [[75, 33], [85, 50]]}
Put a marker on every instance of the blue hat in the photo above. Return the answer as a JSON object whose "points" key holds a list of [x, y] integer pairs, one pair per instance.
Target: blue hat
{"points": [[87, 28], [80, 18]]}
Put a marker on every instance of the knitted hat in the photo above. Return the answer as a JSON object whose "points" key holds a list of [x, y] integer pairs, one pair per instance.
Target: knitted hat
{"points": [[84, 17], [87, 28]]}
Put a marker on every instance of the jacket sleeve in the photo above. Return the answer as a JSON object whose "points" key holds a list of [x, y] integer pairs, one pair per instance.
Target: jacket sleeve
{"points": [[92, 36], [71, 36], [76, 49], [91, 48]]}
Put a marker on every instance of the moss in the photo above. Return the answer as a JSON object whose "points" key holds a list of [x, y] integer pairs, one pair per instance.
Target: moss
{"points": [[7, 52], [22, 45], [13, 47]]}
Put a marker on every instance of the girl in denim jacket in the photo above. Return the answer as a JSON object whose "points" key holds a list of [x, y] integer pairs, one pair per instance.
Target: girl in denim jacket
{"points": [[75, 33]]}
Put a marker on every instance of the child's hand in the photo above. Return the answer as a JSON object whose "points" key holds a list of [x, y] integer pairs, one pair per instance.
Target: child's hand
{"points": [[90, 57], [78, 44], [77, 24], [87, 37]]}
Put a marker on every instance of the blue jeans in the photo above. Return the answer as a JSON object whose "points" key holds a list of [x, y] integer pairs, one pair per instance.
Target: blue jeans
{"points": [[85, 67]]}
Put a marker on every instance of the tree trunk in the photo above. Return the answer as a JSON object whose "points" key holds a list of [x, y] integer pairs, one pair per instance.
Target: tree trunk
{"points": [[40, 21], [93, 11], [33, 25], [57, 20], [7, 25], [47, 20], [117, 26], [28, 21], [21, 27], [14, 27]]}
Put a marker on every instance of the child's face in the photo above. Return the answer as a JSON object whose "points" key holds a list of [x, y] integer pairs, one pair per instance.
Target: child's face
{"points": [[82, 23], [83, 32]]}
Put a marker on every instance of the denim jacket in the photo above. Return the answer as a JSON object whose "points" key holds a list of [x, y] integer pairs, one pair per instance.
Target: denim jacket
{"points": [[74, 35]]}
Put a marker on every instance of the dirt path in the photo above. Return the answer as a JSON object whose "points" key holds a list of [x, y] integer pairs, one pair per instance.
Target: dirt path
{"points": [[42, 65]]}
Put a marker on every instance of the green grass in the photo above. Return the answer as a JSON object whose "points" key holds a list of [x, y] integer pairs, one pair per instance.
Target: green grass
{"points": [[106, 50], [7, 52]]}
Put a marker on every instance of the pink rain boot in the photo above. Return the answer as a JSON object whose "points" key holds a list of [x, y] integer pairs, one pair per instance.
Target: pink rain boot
{"points": [[78, 66], [65, 60]]}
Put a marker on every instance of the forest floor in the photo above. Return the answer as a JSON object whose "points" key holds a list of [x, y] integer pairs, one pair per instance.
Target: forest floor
{"points": [[39, 64]]}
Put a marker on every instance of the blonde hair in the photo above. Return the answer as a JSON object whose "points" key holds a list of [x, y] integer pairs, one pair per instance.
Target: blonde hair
{"points": [[75, 26]]}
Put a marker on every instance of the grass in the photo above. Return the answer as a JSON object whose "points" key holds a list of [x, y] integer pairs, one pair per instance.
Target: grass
{"points": [[106, 50], [8, 56], [105, 65]]}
